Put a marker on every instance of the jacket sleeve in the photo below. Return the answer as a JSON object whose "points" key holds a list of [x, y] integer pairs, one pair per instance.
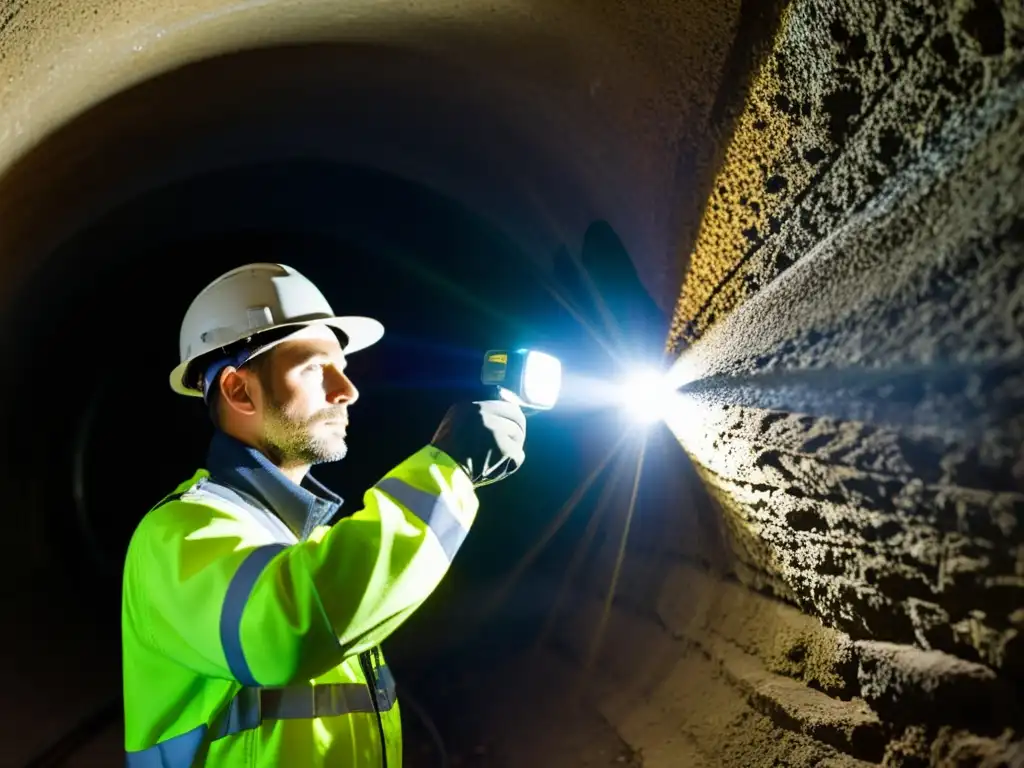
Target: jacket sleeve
{"points": [[217, 596]]}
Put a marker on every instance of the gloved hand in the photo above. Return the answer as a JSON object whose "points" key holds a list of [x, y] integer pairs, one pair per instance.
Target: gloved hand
{"points": [[485, 437]]}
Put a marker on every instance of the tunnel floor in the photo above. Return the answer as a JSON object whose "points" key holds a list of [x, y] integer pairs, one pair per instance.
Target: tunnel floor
{"points": [[497, 710], [516, 715], [520, 714]]}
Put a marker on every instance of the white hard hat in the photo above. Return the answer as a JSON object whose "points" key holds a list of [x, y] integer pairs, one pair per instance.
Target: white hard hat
{"points": [[252, 300]]}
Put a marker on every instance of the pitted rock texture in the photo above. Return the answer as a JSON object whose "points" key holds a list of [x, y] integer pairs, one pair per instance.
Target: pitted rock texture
{"points": [[853, 325], [703, 671], [854, 95]]}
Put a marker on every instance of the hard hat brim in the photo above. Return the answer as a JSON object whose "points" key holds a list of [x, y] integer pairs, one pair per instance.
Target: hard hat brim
{"points": [[362, 332]]}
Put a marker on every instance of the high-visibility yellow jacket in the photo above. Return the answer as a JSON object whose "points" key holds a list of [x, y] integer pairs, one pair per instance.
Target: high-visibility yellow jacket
{"points": [[251, 629]]}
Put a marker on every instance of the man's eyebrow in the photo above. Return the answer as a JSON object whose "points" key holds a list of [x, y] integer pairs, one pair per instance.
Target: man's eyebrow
{"points": [[308, 356]]}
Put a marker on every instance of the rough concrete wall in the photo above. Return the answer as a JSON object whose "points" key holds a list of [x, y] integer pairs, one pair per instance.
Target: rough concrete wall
{"points": [[852, 326], [694, 668], [719, 675], [870, 420]]}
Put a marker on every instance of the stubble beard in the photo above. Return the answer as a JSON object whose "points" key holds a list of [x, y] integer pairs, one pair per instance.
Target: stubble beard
{"points": [[291, 441]]}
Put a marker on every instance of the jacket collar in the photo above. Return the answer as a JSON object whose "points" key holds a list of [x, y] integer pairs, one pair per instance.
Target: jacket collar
{"points": [[301, 507]]}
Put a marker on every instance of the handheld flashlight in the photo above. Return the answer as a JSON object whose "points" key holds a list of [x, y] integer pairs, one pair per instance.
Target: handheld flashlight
{"points": [[529, 378]]}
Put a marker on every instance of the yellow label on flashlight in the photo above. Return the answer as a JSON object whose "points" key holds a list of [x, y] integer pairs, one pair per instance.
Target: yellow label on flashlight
{"points": [[502, 358]]}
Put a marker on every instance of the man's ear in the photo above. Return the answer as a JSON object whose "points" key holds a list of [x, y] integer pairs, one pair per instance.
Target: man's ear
{"points": [[236, 391]]}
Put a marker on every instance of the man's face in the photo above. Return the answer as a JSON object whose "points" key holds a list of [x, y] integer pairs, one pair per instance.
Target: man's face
{"points": [[305, 396]]}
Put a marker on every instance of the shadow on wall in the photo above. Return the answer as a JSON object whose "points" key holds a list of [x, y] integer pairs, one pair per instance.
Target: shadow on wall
{"points": [[604, 286], [601, 292], [852, 314]]}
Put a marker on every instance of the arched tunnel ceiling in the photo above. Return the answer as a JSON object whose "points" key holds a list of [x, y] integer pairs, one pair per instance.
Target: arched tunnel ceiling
{"points": [[544, 116]]}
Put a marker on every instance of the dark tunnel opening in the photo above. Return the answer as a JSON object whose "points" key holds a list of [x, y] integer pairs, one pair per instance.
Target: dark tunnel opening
{"points": [[338, 160], [446, 284], [337, 225]]}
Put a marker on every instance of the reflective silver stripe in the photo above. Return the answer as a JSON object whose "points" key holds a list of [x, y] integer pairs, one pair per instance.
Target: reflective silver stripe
{"points": [[431, 509], [243, 713], [252, 706], [315, 701], [247, 502]]}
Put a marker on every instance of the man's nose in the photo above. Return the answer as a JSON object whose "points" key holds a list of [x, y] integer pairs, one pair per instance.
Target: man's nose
{"points": [[341, 389]]}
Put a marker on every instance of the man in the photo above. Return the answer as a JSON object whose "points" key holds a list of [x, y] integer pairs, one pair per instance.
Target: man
{"points": [[251, 628]]}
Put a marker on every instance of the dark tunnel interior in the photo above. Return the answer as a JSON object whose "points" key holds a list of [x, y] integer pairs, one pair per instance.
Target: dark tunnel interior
{"points": [[447, 285], [292, 154], [809, 213]]}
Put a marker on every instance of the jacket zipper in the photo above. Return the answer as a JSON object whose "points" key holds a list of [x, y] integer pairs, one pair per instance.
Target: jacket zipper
{"points": [[371, 682]]}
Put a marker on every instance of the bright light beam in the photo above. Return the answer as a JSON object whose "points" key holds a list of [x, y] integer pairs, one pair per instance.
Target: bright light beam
{"points": [[685, 370], [595, 644], [597, 517], [501, 593], [647, 396]]}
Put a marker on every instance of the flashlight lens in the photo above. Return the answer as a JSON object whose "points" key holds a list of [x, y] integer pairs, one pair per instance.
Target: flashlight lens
{"points": [[542, 379]]}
